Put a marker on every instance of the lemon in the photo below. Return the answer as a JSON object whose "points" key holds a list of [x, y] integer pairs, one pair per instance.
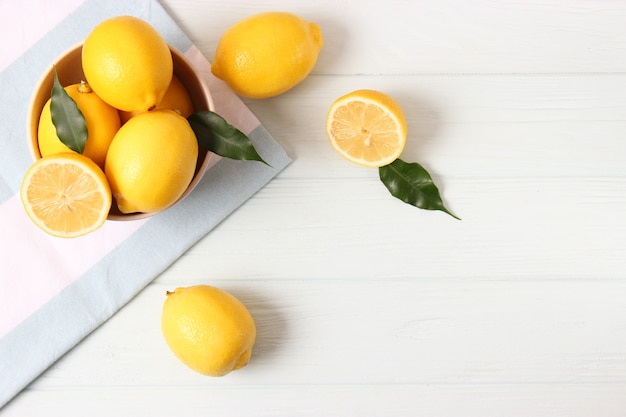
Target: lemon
{"points": [[176, 98], [127, 63], [66, 194], [208, 329], [267, 54], [151, 161], [102, 122], [367, 127]]}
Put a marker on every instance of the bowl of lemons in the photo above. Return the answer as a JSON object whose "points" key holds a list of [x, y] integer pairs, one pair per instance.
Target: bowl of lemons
{"points": [[112, 111]]}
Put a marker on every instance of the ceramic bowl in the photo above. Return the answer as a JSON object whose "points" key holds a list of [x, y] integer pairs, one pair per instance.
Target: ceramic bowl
{"points": [[69, 70]]}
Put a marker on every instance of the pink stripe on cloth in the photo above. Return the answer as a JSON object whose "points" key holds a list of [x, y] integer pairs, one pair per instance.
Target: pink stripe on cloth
{"points": [[36, 267], [28, 22]]}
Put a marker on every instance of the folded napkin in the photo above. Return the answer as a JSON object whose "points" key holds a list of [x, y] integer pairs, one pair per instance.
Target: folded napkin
{"points": [[53, 292]]}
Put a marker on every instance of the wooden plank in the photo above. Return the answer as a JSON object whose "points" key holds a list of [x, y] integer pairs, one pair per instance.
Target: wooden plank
{"points": [[427, 400], [510, 126], [529, 228], [381, 332], [482, 36]]}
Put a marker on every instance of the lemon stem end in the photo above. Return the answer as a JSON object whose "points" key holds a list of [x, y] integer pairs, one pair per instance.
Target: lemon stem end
{"points": [[84, 88]]}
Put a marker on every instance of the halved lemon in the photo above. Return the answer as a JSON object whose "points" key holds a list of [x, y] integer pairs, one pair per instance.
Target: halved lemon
{"points": [[66, 195], [367, 127]]}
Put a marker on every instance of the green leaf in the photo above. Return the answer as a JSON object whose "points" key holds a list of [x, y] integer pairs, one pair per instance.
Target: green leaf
{"points": [[218, 136], [68, 120], [411, 183]]}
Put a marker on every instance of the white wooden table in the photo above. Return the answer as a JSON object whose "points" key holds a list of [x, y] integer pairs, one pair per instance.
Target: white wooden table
{"points": [[366, 306]]}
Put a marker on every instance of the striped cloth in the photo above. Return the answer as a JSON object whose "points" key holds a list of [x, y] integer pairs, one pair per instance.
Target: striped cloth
{"points": [[53, 292]]}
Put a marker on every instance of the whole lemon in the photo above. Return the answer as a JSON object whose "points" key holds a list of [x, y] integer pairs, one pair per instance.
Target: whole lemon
{"points": [[127, 63], [151, 161], [176, 98], [102, 122], [208, 329], [267, 54]]}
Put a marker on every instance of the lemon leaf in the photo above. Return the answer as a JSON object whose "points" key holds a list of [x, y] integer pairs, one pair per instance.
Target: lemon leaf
{"points": [[220, 137], [411, 183], [67, 118]]}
